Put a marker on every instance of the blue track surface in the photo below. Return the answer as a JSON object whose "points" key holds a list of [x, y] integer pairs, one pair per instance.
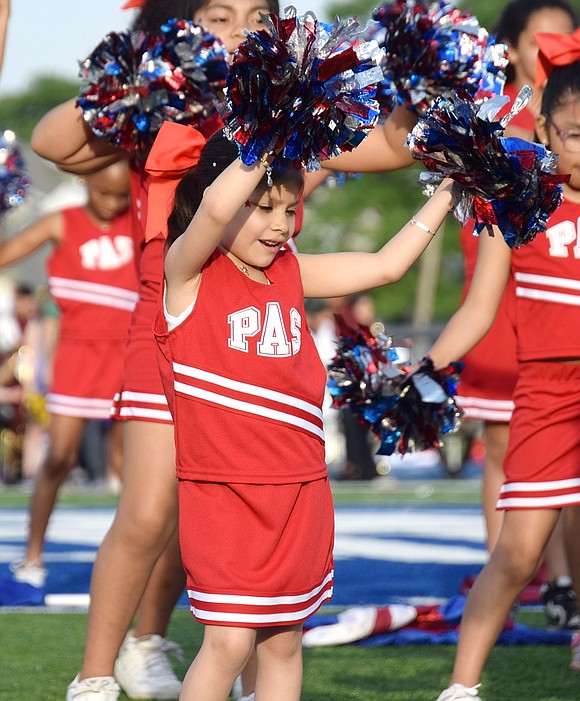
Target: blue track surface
{"points": [[384, 554]]}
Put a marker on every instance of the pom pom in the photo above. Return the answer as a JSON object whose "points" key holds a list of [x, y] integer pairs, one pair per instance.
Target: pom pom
{"points": [[507, 182], [406, 410], [425, 409], [301, 89], [386, 93], [361, 361], [137, 80], [14, 179], [433, 49]]}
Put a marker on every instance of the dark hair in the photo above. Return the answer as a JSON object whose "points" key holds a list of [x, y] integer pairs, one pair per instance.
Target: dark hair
{"points": [[563, 82], [217, 154], [516, 16], [155, 12]]}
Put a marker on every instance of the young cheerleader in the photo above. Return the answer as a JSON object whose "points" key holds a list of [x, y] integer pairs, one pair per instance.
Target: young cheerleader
{"points": [[517, 25], [138, 560], [543, 456], [91, 276], [488, 379], [243, 376]]}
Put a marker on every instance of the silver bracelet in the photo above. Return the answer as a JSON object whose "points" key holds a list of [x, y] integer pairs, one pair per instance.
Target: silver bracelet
{"points": [[423, 227]]}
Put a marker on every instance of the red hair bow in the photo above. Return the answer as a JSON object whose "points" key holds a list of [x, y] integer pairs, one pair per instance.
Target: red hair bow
{"points": [[175, 150], [132, 4], [555, 50]]}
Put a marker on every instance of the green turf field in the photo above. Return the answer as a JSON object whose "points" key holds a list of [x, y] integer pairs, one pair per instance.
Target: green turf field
{"points": [[384, 490], [41, 652]]}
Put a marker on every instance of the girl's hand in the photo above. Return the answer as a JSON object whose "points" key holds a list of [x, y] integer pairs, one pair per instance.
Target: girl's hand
{"points": [[448, 187]]}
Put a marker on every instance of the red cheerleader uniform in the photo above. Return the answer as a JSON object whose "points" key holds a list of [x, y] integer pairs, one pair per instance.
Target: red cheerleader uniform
{"points": [[542, 463], [246, 386], [139, 396], [91, 277]]}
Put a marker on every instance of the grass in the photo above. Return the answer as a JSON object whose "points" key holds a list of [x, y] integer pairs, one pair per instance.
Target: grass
{"points": [[384, 490], [41, 652]]}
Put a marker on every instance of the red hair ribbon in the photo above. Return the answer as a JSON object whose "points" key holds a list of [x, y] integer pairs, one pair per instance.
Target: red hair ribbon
{"points": [[555, 50], [133, 4], [175, 150]]}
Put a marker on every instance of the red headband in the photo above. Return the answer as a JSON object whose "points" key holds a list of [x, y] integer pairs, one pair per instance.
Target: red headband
{"points": [[132, 4], [555, 50], [175, 150]]}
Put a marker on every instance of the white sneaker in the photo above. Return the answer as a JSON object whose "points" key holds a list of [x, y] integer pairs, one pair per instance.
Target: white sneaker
{"points": [[459, 692], [29, 573], [93, 689], [143, 669], [238, 689]]}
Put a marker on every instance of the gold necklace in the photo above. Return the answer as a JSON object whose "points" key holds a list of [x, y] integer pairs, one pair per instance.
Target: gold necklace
{"points": [[241, 266], [244, 268]]}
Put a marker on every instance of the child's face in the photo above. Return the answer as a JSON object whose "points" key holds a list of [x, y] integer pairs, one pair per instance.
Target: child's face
{"points": [[523, 55], [108, 192], [227, 19], [263, 225], [560, 132]]}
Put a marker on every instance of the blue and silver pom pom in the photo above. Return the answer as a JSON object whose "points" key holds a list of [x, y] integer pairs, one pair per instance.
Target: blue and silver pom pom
{"points": [[136, 80]]}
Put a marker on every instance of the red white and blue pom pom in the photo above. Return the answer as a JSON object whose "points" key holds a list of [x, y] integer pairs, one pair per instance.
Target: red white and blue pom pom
{"points": [[425, 410], [14, 179], [432, 49], [407, 411], [359, 365], [136, 80], [302, 89], [507, 182]]}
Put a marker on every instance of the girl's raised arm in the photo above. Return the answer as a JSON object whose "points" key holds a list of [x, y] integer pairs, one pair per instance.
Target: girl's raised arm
{"points": [[63, 137], [48, 228], [338, 274], [221, 203], [474, 317]]}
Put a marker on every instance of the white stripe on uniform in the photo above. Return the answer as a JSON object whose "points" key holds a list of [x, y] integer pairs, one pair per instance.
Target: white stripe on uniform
{"points": [[534, 287], [93, 293], [256, 392]]}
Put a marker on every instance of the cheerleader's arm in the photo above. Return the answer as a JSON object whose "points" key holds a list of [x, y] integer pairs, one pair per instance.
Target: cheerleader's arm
{"points": [[63, 137], [475, 316]]}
